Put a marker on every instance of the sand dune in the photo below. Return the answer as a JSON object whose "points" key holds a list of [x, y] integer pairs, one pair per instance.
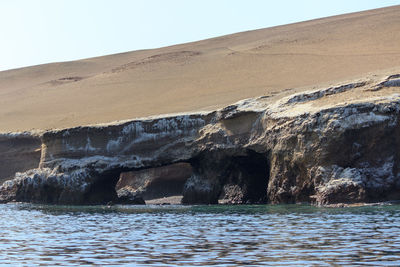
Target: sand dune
{"points": [[200, 75]]}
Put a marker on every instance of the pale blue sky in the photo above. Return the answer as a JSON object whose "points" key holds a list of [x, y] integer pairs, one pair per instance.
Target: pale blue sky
{"points": [[41, 31]]}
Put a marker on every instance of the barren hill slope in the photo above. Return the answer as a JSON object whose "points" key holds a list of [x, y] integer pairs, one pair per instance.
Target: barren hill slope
{"points": [[200, 75]]}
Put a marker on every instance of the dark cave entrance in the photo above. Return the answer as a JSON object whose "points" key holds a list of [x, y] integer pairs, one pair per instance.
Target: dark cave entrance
{"points": [[220, 177], [239, 179], [127, 186], [103, 190], [248, 175]]}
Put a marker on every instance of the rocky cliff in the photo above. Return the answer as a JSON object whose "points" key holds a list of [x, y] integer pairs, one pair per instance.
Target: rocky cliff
{"points": [[18, 152], [329, 145]]}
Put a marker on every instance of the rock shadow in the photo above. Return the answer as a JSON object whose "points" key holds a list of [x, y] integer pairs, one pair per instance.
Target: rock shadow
{"points": [[228, 179]]}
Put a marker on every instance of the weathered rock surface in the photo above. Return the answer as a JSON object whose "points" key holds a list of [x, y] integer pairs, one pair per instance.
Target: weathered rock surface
{"points": [[126, 196], [153, 183], [333, 145], [19, 152]]}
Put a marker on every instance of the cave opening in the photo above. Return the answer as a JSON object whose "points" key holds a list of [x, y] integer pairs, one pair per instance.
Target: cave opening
{"points": [[240, 179], [103, 190], [226, 178], [246, 179], [158, 185]]}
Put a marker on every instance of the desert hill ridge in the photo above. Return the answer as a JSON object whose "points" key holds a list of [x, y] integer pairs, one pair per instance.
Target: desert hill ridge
{"points": [[201, 75]]}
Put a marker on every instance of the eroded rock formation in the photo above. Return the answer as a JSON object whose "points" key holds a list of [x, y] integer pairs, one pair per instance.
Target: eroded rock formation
{"points": [[332, 145], [153, 183]]}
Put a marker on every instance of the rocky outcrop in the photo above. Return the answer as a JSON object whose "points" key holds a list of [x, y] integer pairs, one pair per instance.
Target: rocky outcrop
{"points": [[127, 196], [331, 145]]}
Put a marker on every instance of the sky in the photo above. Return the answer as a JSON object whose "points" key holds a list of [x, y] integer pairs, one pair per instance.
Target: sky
{"points": [[42, 31]]}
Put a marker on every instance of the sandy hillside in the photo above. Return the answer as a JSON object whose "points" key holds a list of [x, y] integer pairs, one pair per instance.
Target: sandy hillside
{"points": [[200, 75]]}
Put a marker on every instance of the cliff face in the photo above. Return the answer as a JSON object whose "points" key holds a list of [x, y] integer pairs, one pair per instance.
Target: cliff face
{"points": [[332, 145], [19, 152]]}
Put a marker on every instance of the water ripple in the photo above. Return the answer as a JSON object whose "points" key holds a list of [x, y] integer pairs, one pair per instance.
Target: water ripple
{"points": [[283, 235]]}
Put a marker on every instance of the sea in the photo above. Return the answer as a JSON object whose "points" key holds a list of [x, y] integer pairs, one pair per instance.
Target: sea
{"points": [[216, 235]]}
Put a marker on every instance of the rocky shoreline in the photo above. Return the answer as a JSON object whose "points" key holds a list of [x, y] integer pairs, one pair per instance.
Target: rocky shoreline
{"points": [[325, 146]]}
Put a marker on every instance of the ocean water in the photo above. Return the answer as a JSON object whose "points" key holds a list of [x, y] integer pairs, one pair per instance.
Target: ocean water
{"points": [[280, 235]]}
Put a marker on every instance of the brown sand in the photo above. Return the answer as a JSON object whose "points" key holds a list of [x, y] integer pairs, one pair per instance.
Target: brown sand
{"points": [[200, 75]]}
